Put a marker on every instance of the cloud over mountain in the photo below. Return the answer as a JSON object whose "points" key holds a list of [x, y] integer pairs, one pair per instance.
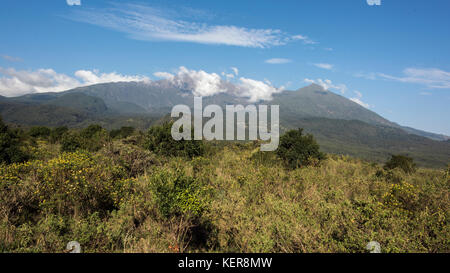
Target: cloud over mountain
{"points": [[19, 82], [202, 83], [328, 85], [358, 100]]}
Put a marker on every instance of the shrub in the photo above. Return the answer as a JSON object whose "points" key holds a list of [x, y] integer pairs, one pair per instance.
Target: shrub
{"points": [[401, 196], [405, 163], [70, 142], [10, 146], [178, 194], [57, 134], [123, 132], [159, 140], [40, 131], [71, 183], [95, 141], [92, 139], [298, 150], [91, 130], [134, 159]]}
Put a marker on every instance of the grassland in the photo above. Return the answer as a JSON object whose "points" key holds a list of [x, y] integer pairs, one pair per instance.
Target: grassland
{"points": [[123, 198]]}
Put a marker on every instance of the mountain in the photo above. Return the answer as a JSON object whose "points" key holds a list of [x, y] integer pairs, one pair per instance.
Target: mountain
{"points": [[372, 142], [340, 125], [314, 101]]}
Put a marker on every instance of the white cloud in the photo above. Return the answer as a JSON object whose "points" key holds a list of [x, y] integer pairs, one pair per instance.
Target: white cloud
{"points": [[163, 75], [94, 77], [10, 58], [73, 2], [373, 2], [228, 75], [235, 70], [328, 85], [430, 77], [324, 66], [358, 100], [368, 76], [277, 61], [146, 23], [20, 82], [256, 90], [305, 39], [202, 83], [199, 82]]}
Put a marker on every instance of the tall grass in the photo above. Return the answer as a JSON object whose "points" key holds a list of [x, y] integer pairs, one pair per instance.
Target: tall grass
{"points": [[125, 199]]}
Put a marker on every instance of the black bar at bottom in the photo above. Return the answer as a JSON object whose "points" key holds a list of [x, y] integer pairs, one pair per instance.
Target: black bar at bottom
{"points": [[225, 262]]}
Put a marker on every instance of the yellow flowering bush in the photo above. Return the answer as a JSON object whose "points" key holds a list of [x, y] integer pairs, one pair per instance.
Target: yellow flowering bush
{"points": [[176, 193], [403, 196], [72, 182]]}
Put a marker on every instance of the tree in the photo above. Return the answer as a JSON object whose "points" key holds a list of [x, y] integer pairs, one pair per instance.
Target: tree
{"points": [[298, 150], [91, 139], [91, 130], [57, 134], [71, 142], [159, 140], [10, 146], [123, 132], [403, 162], [40, 131]]}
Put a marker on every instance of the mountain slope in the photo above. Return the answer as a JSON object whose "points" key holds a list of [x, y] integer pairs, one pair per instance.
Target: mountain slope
{"points": [[314, 101], [311, 101], [340, 125], [360, 139]]}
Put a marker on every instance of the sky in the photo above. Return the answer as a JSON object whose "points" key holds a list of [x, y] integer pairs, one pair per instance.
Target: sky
{"points": [[391, 57]]}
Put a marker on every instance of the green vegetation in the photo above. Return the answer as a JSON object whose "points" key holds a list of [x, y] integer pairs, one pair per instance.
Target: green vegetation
{"points": [[160, 141], [123, 132], [40, 131], [339, 125], [298, 150], [11, 147], [403, 162], [57, 134], [130, 195], [92, 139]]}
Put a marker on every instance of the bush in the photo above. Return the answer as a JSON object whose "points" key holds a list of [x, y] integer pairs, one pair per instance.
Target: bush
{"points": [[92, 139], [159, 140], [91, 130], [70, 143], [11, 150], [40, 131], [178, 194], [56, 135], [123, 132], [134, 159], [73, 183], [298, 150], [405, 163], [402, 196]]}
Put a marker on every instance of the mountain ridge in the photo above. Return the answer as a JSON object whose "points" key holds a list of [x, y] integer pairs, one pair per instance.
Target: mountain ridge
{"points": [[340, 125]]}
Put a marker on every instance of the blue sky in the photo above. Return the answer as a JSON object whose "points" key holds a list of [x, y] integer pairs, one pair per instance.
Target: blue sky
{"points": [[392, 58]]}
